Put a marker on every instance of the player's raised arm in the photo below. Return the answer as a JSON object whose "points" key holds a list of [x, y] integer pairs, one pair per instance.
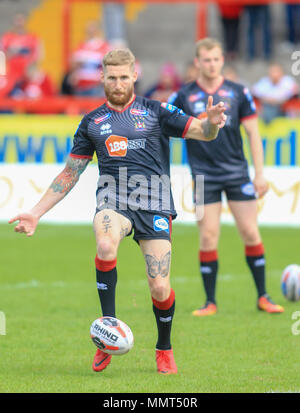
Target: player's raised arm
{"points": [[207, 129], [59, 188]]}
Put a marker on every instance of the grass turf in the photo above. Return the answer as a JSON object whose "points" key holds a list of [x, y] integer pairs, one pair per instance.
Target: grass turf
{"points": [[49, 297]]}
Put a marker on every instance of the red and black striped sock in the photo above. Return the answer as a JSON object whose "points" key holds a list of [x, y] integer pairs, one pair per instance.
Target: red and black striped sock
{"points": [[164, 313], [209, 270], [255, 258], [106, 275]]}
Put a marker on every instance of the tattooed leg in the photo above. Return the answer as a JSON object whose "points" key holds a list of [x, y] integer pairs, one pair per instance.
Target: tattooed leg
{"points": [[125, 231], [157, 254], [106, 223], [109, 227], [156, 267]]}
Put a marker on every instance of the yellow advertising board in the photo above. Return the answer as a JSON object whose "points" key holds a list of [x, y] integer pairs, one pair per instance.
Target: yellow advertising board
{"points": [[37, 139], [48, 139]]}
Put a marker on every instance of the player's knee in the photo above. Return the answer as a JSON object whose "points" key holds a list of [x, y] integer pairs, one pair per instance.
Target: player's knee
{"points": [[209, 239], [160, 290], [250, 235], [107, 248]]}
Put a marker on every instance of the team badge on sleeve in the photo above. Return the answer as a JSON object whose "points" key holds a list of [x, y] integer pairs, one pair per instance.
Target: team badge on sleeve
{"points": [[172, 108], [172, 97], [249, 98]]}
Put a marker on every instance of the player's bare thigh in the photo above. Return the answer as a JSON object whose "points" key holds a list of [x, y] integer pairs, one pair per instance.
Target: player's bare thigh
{"points": [[209, 225], [245, 215], [110, 228], [157, 254]]}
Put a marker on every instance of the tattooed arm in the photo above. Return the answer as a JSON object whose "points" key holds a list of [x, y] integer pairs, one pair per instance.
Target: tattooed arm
{"points": [[59, 188]]}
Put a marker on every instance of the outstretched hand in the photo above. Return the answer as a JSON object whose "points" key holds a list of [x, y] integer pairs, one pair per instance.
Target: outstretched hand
{"points": [[27, 223], [215, 113]]}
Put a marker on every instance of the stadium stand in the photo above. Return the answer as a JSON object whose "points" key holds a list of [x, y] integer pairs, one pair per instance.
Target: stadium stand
{"points": [[154, 40]]}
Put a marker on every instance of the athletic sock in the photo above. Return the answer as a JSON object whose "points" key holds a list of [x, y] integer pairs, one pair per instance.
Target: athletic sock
{"points": [[106, 275], [164, 313], [256, 261], [209, 269]]}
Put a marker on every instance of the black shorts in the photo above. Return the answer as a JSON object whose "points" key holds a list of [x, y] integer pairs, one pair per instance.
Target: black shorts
{"points": [[147, 225], [235, 190]]}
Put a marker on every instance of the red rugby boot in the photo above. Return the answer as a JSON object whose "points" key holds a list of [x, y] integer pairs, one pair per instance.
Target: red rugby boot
{"points": [[165, 362], [101, 360]]}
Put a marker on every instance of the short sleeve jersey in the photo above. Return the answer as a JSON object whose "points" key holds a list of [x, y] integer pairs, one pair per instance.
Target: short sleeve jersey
{"points": [[132, 148], [223, 158]]}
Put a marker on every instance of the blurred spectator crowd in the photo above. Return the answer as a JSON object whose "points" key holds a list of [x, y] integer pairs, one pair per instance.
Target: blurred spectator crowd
{"points": [[21, 54]]}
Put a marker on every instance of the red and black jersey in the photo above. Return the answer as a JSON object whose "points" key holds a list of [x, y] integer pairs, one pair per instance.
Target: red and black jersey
{"points": [[222, 159], [132, 147]]}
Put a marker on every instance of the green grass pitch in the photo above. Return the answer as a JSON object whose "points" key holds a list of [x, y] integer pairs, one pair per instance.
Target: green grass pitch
{"points": [[49, 298]]}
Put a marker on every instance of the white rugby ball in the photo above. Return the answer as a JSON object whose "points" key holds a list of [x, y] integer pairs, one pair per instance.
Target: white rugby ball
{"points": [[111, 335], [290, 282]]}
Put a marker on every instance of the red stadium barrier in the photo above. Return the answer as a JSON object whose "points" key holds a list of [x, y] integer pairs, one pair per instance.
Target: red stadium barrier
{"points": [[53, 105], [81, 105]]}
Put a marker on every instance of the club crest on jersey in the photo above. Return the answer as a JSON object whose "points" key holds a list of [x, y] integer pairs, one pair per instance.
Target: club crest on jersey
{"points": [[227, 103], [248, 189], [139, 112], [102, 118], [139, 124], [160, 224]]}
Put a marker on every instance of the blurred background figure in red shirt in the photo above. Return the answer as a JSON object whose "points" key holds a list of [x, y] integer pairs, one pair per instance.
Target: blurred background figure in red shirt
{"points": [[37, 84], [20, 49], [83, 78]]}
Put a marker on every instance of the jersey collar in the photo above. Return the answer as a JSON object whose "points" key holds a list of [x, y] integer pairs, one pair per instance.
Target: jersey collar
{"points": [[126, 107], [214, 91]]}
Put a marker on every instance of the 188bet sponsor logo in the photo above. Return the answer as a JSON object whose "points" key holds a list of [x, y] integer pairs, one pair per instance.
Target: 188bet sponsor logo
{"points": [[116, 145]]}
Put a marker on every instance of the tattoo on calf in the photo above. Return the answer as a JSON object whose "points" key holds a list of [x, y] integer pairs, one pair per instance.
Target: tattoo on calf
{"points": [[66, 180], [156, 267]]}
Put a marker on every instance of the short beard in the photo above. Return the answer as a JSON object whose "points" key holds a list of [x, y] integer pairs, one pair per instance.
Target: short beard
{"points": [[119, 100]]}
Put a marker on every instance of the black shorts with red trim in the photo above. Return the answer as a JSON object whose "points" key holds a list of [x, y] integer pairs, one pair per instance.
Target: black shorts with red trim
{"points": [[147, 225]]}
